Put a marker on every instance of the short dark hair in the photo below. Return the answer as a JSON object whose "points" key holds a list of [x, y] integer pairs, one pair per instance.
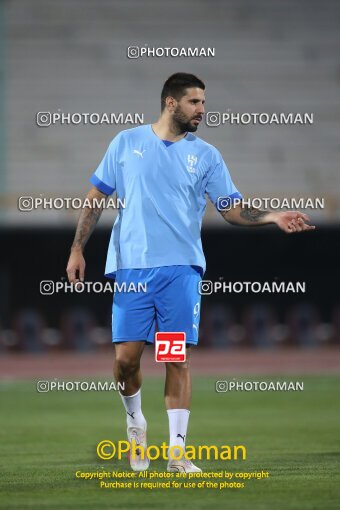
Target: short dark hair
{"points": [[177, 84]]}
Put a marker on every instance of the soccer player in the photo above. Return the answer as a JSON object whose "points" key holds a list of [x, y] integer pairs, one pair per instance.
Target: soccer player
{"points": [[163, 172]]}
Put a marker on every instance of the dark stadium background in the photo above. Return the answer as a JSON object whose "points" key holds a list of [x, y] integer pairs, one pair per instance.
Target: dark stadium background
{"points": [[29, 256]]}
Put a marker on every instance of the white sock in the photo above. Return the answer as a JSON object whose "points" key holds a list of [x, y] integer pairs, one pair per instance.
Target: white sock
{"points": [[133, 408], [178, 425]]}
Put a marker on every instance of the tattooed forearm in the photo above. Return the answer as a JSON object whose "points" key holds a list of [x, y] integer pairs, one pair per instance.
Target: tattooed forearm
{"points": [[246, 215], [252, 214], [87, 221]]}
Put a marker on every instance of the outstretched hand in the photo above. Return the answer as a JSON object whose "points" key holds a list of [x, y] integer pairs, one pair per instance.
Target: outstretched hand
{"points": [[292, 221]]}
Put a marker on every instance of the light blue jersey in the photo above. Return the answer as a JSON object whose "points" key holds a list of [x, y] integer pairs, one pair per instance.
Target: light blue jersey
{"points": [[164, 191]]}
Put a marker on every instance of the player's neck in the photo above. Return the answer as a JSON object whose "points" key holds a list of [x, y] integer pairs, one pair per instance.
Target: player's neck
{"points": [[165, 131]]}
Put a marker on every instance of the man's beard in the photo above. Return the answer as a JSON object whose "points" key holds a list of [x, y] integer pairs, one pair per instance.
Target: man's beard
{"points": [[181, 123]]}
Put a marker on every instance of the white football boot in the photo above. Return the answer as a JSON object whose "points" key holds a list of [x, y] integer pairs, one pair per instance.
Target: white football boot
{"points": [[138, 435], [183, 466]]}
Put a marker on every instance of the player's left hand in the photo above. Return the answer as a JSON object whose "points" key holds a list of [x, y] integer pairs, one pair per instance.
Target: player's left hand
{"points": [[292, 221]]}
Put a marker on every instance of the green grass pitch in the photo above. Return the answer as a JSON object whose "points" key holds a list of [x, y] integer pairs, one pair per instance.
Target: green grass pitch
{"points": [[47, 437]]}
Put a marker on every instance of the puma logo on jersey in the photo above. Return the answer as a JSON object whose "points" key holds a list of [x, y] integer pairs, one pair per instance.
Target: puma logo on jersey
{"points": [[138, 153]]}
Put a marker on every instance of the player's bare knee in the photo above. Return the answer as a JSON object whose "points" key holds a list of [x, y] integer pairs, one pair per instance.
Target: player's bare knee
{"points": [[127, 366], [176, 366]]}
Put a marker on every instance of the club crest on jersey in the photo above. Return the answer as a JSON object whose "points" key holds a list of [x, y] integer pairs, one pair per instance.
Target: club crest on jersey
{"points": [[192, 160]]}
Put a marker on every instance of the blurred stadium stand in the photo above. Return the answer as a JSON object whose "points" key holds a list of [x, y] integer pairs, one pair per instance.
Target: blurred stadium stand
{"points": [[34, 322], [270, 57], [258, 329], [71, 56]]}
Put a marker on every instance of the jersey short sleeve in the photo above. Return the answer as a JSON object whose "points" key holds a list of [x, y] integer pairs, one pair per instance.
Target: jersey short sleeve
{"points": [[220, 188], [104, 178]]}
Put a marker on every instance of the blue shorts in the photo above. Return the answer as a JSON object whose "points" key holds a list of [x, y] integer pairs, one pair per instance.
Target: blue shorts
{"points": [[171, 303]]}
